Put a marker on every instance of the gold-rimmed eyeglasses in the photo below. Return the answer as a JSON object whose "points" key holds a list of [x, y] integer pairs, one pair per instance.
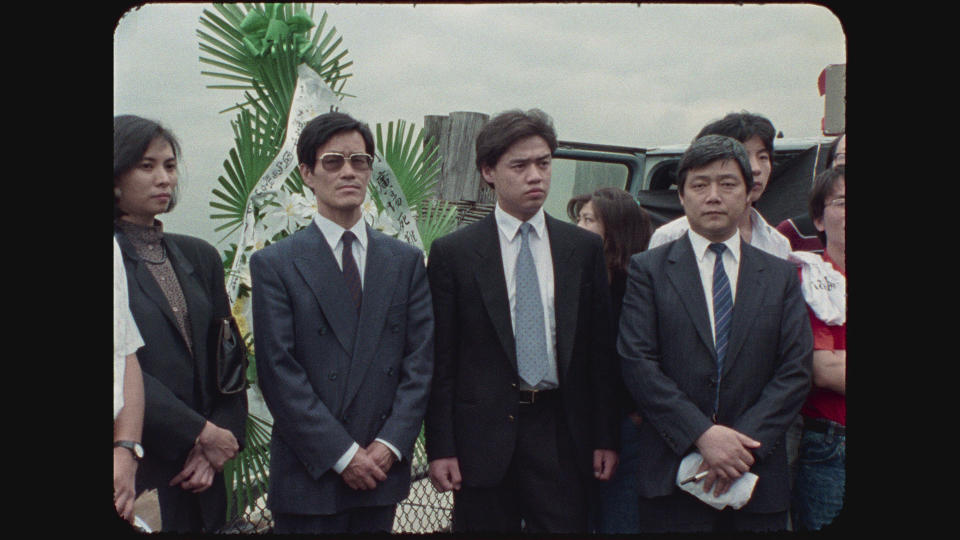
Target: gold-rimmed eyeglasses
{"points": [[333, 161]]}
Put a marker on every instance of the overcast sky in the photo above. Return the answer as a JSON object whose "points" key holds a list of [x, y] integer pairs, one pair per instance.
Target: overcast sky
{"points": [[609, 73]]}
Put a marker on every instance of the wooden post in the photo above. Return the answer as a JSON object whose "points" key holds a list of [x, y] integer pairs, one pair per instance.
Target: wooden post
{"points": [[456, 136]]}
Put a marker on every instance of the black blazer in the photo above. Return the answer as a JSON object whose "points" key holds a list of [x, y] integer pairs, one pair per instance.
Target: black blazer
{"points": [[474, 397], [669, 363], [180, 389]]}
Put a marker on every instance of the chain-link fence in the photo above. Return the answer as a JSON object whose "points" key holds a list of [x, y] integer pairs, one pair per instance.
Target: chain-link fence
{"points": [[423, 511]]}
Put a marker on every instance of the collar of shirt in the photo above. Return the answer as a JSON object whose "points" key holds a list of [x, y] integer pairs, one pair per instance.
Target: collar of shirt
{"points": [[768, 238], [509, 226], [705, 260], [701, 246], [333, 233]]}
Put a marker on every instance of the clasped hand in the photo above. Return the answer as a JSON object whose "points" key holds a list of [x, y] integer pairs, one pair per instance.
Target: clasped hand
{"points": [[726, 455], [369, 466], [212, 449]]}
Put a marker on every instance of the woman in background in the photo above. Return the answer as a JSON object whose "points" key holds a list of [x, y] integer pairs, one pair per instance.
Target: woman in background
{"points": [[176, 295], [625, 228]]}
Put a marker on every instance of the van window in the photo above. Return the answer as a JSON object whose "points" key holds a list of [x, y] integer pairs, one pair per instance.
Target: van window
{"points": [[573, 177]]}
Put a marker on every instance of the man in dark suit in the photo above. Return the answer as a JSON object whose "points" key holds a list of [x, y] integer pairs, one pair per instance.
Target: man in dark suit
{"points": [[344, 342], [521, 410], [717, 351]]}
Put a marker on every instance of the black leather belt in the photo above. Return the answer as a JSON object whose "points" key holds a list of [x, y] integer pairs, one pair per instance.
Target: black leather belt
{"points": [[822, 425], [529, 397]]}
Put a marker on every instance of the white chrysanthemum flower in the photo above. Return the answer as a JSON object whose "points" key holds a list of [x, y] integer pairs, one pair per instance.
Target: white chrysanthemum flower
{"points": [[293, 212]]}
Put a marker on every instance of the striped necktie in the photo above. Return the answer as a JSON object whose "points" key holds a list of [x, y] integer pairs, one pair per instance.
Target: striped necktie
{"points": [[722, 303]]}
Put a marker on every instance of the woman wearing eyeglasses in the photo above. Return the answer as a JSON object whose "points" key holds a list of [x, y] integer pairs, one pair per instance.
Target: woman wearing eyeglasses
{"points": [[821, 475], [177, 295]]}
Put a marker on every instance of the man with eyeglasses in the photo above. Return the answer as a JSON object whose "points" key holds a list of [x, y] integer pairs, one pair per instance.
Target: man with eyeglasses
{"points": [[344, 343], [821, 475]]}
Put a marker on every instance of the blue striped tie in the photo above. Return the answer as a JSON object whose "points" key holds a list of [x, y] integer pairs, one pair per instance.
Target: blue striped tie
{"points": [[722, 304], [722, 308], [529, 330]]}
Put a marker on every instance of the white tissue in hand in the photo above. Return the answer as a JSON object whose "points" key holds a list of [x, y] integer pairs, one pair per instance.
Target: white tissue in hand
{"points": [[738, 495]]}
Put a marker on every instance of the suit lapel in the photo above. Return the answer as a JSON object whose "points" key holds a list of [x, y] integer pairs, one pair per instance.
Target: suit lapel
{"points": [[145, 280], [379, 278], [566, 293], [198, 305], [750, 292], [683, 273], [493, 286], [315, 262]]}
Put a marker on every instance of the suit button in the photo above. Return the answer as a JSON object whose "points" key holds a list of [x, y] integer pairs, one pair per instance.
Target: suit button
{"points": [[390, 371], [510, 418], [383, 416], [713, 381], [322, 330], [333, 376], [513, 385]]}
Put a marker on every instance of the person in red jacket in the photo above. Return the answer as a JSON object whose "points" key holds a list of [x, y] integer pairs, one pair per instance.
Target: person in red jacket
{"points": [[821, 476]]}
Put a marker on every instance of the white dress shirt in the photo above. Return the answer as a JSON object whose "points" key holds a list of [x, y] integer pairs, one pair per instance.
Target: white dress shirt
{"points": [[333, 234], [510, 241], [705, 261], [126, 336], [762, 235]]}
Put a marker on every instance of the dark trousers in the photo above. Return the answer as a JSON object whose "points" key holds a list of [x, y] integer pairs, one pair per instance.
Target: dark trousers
{"points": [[682, 512], [182, 511], [542, 488], [367, 519]]}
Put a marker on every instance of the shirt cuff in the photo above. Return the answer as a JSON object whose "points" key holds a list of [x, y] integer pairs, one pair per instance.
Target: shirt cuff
{"points": [[392, 449], [344, 460]]}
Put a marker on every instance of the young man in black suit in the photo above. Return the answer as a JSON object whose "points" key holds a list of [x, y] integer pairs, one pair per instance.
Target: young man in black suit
{"points": [[521, 412]]}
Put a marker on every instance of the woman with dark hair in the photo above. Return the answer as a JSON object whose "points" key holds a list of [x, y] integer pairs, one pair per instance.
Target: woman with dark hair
{"points": [[624, 226], [626, 229], [177, 298]]}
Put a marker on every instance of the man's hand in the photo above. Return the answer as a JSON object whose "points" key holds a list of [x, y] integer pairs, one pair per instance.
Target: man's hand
{"points": [[124, 490], [726, 454], [218, 445], [445, 474], [363, 473], [381, 455], [197, 474], [604, 463]]}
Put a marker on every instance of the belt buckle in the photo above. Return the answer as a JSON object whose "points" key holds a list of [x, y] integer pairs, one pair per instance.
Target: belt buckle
{"points": [[531, 393]]}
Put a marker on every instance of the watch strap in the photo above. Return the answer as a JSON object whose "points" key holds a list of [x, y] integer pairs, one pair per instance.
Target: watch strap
{"points": [[135, 448]]}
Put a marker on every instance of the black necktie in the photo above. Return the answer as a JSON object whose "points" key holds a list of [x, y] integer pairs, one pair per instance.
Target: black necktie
{"points": [[350, 272]]}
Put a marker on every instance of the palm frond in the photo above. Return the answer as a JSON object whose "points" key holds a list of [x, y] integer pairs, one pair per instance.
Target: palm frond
{"points": [[246, 474], [257, 138], [417, 172], [437, 218]]}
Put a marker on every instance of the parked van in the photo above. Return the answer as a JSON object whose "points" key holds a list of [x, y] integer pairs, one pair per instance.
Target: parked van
{"points": [[649, 174]]}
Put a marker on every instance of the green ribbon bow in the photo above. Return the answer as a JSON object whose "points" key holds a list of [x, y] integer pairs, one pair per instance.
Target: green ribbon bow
{"points": [[264, 29]]}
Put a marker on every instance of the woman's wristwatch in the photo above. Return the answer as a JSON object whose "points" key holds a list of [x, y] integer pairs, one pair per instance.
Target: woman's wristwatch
{"points": [[134, 447]]}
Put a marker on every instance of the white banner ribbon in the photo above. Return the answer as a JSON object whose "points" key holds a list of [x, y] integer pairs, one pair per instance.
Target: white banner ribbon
{"points": [[311, 98]]}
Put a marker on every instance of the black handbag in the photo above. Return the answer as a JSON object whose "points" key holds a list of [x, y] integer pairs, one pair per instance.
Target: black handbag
{"points": [[231, 358]]}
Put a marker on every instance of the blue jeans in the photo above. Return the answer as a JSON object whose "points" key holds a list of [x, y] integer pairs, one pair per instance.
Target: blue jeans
{"points": [[616, 501], [821, 479]]}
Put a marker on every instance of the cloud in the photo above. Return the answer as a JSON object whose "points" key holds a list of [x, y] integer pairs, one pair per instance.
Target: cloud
{"points": [[611, 73]]}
